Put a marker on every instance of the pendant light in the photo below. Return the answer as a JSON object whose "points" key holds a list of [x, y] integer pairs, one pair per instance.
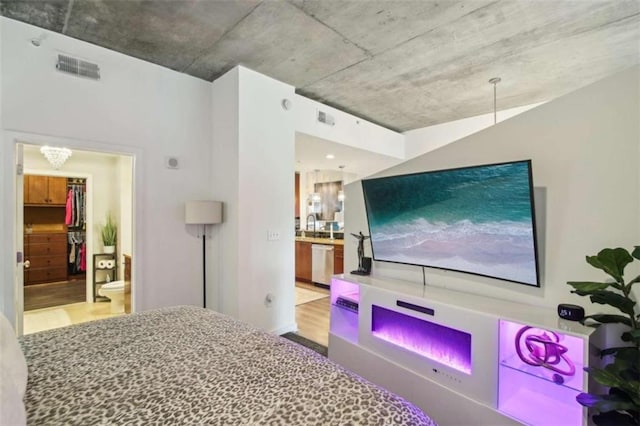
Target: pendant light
{"points": [[315, 197], [56, 155]]}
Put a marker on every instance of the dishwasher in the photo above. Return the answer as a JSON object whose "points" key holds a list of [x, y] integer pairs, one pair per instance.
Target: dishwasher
{"points": [[321, 263]]}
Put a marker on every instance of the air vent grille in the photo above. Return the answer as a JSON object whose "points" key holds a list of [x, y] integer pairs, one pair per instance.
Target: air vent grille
{"points": [[78, 67], [325, 118]]}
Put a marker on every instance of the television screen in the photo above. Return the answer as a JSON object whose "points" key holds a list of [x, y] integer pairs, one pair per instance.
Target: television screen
{"points": [[477, 219]]}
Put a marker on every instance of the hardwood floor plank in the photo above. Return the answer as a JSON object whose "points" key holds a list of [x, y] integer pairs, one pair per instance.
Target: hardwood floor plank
{"points": [[313, 317], [38, 296]]}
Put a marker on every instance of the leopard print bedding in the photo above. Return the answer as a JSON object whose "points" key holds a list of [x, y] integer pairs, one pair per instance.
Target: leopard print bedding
{"points": [[192, 366]]}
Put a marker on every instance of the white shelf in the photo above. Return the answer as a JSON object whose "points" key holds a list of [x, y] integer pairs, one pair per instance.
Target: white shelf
{"points": [[492, 325]]}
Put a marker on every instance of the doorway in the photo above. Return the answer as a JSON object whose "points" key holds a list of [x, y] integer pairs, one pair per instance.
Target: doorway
{"points": [[63, 268]]}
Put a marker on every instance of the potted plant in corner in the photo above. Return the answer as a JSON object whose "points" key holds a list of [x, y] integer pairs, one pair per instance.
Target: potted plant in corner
{"points": [[109, 235], [621, 405]]}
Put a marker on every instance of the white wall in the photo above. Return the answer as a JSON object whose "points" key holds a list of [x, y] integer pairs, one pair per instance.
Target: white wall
{"points": [[223, 294], [136, 108], [125, 203], [7, 233], [421, 141], [348, 129], [254, 138], [584, 148]]}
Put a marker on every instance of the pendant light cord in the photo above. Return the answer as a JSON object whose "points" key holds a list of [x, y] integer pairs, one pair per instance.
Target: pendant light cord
{"points": [[495, 81]]}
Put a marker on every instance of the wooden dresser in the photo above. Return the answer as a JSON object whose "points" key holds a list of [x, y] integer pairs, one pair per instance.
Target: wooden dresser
{"points": [[45, 257]]}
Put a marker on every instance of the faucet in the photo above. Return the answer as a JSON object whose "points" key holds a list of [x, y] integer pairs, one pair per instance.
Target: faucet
{"points": [[313, 217]]}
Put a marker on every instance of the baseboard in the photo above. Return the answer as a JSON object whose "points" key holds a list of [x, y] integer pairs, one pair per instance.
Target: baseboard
{"points": [[293, 328]]}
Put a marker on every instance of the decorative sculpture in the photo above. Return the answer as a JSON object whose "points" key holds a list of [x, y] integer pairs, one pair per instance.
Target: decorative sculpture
{"points": [[361, 269], [544, 350]]}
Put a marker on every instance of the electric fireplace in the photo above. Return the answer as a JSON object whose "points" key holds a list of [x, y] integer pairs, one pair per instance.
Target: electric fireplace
{"points": [[439, 343]]}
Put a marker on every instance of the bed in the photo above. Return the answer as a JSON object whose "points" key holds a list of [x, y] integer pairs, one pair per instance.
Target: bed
{"points": [[188, 365]]}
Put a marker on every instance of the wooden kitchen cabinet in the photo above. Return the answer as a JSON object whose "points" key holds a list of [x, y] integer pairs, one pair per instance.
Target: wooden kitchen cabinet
{"points": [[296, 210], [303, 261], [45, 258], [338, 259], [45, 190]]}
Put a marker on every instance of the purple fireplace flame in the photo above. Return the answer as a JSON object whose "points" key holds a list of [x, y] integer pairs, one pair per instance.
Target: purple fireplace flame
{"points": [[439, 343]]}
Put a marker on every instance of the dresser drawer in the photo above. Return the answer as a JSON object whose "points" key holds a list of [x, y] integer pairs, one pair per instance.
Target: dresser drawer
{"points": [[45, 238], [59, 248], [34, 276], [52, 261]]}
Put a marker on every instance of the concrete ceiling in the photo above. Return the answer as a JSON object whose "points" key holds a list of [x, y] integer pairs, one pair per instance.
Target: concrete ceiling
{"points": [[403, 64]]}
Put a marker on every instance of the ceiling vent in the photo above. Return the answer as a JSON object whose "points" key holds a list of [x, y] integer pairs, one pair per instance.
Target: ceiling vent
{"points": [[78, 67], [325, 118]]}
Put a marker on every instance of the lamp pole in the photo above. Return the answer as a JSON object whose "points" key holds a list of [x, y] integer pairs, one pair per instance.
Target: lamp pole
{"points": [[204, 266]]}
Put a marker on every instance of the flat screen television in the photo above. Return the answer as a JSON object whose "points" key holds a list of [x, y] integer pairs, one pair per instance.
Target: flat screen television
{"points": [[478, 220]]}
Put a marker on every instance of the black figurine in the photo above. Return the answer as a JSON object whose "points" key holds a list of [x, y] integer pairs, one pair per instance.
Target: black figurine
{"points": [[361, 239]]}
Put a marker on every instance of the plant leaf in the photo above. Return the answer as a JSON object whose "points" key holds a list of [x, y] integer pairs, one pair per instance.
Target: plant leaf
{"points": [[636, 252], [604, 376], [628, 353], [614, 418], [616, 300], [587, 286], [608, 319], [631, 336], [611, 261]]}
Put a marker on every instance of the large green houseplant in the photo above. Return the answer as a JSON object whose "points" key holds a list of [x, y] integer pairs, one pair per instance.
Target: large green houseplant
{"points": [[621, 405], [109, 235]]}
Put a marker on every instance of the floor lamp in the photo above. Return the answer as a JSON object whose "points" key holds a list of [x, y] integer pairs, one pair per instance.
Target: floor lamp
{"points": [[203, 213]]}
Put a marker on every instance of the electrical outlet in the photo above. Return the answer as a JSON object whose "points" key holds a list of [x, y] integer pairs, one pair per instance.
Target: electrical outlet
{"points": [[273, 235], [268, 299]]}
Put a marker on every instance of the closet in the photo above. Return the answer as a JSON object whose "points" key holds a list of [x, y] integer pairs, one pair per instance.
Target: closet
{"points": [[54, 234]]}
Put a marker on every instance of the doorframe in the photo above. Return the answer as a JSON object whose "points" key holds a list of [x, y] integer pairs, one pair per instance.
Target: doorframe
{"points": [[12, 293]]}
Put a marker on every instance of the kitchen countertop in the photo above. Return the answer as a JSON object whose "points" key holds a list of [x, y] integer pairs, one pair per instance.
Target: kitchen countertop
{"points": [[312, 240]]}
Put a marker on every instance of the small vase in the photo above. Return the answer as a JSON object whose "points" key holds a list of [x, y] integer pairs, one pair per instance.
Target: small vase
{"points": [[109, 249]]}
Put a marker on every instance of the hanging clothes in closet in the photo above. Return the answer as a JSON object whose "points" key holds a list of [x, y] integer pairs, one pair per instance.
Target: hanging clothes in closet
{"points": [[75, 210], [75, 221], [77, 252]]}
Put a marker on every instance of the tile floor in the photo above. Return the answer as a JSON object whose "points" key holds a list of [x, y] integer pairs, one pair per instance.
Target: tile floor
{"points": [[61, 316]]}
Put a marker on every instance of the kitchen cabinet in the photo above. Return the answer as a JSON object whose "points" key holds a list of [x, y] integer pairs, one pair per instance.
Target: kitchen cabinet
{"points": [[303, 261], [45, 258], [304, 264], [296, 211], [338, 259], [45, 190]]}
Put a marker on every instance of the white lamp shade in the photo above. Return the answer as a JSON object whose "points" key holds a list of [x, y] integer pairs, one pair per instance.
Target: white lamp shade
{"points": [[203, 212]]}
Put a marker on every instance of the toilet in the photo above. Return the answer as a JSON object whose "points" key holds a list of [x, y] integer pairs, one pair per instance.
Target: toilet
{"points": [[115, 292]]}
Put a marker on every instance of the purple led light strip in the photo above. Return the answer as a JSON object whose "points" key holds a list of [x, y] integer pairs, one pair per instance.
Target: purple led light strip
{"points": [[439, 343]]}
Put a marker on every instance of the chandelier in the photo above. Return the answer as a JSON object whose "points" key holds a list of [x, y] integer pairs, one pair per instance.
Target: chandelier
{"points": [[55, 155]]}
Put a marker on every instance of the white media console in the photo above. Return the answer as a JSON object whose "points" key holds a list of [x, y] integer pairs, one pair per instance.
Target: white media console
{"points": [[464, 359]]}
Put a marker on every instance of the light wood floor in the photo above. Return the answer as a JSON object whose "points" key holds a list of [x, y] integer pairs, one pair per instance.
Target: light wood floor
{"points": [[313, 317], [61, 316]]}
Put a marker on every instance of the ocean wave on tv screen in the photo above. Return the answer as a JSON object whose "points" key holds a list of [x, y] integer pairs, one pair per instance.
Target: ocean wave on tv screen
{"points": [[502, 249]]}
